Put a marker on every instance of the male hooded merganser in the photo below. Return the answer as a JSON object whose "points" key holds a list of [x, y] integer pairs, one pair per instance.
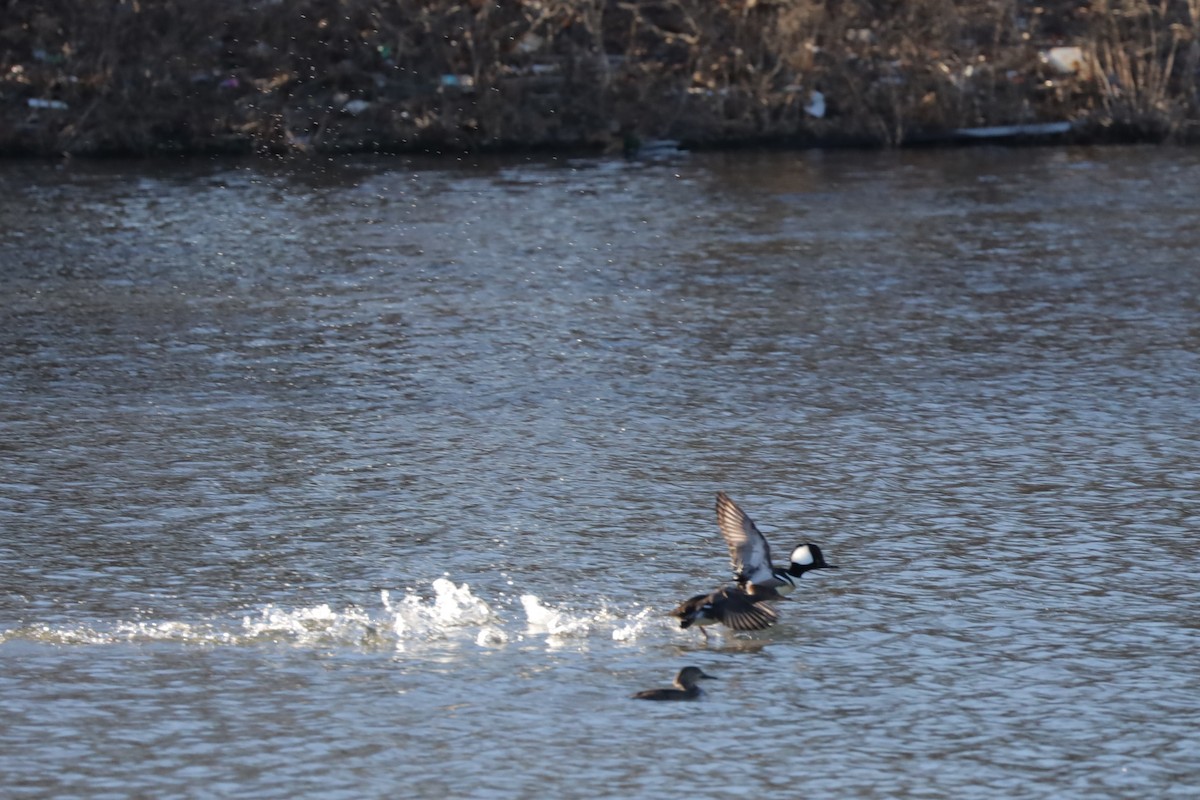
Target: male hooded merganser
{"points": [[731, 606], [750, 555], [685, 687]]}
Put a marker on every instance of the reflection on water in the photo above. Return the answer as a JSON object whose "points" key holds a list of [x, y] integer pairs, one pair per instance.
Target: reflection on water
{"points": [[380, 475]]}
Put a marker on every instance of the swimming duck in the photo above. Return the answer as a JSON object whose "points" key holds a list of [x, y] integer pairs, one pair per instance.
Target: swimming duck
{"points": [[750, 555], [685, 687]]}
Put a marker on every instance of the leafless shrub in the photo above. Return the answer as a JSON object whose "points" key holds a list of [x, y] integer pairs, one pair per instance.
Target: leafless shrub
{"points": [[296, 75], [1147, 57]]}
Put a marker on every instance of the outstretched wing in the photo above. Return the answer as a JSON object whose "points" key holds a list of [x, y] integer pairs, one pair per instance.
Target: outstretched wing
{"points": [[741, 612], [749, 553]]}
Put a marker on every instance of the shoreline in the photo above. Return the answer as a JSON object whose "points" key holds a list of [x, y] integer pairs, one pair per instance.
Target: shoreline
{"points": [[318, 77]]}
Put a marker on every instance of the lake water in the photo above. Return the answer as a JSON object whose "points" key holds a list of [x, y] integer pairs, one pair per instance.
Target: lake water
{"points": [[375, 477]]}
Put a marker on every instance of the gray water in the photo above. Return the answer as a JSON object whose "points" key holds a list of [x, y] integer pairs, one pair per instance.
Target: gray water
{"points": [[376, 477]]}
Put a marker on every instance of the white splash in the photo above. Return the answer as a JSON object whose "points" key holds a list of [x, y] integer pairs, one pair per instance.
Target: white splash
{"points": [[543, 619], [121, 632], [637, 624], [452, 607], [491, 636], [449, 612], [309, 626]]}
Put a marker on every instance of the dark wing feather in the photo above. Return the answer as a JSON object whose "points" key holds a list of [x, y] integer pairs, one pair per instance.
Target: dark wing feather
{"points": [[749, 553], [741, 612], [689, 609]]}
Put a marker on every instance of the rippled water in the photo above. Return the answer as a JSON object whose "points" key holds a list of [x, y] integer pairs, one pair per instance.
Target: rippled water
{"points": [[374, 478]]}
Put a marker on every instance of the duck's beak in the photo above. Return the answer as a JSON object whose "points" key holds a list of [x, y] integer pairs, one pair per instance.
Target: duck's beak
{"points": [[710, 677]]}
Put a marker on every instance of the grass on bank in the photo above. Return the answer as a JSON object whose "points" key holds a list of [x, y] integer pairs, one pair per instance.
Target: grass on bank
{"points": [[139, 76]]}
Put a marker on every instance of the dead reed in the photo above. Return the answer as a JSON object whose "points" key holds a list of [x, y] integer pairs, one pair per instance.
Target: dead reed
{"points": [[139, 76]]}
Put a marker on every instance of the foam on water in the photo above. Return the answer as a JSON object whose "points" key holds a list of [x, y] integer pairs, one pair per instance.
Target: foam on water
{"points": [[319, 625], [635, 625], [452, 611], [542, 619], [120, 632], [452, 607]]}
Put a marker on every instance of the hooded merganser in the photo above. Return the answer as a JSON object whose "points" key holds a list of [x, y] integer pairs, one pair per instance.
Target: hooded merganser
{"points": [[685, 687], [732, 606], [750, 555]]}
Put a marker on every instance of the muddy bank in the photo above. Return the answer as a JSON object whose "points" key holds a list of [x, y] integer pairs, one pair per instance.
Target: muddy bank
{"points": [[149, 76]]}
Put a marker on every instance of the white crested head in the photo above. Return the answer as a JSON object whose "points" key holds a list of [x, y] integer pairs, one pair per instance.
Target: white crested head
{"points": [[803, 556]]}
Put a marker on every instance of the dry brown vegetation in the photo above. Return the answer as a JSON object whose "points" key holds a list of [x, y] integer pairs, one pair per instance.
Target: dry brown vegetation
{"points": [[138, 76]]}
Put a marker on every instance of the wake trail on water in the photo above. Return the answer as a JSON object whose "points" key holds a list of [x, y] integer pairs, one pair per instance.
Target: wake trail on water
{"points": [[452, 614]]}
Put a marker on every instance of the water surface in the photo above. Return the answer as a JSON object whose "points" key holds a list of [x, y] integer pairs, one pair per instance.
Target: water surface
{"points": [[375, 477]]}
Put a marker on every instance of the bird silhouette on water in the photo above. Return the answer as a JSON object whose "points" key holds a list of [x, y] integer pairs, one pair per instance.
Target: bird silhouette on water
{"points": [[685, 687]]}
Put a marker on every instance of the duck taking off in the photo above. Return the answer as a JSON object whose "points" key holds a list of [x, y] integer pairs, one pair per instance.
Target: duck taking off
{"points": [[731, 606], [750, 555]]}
